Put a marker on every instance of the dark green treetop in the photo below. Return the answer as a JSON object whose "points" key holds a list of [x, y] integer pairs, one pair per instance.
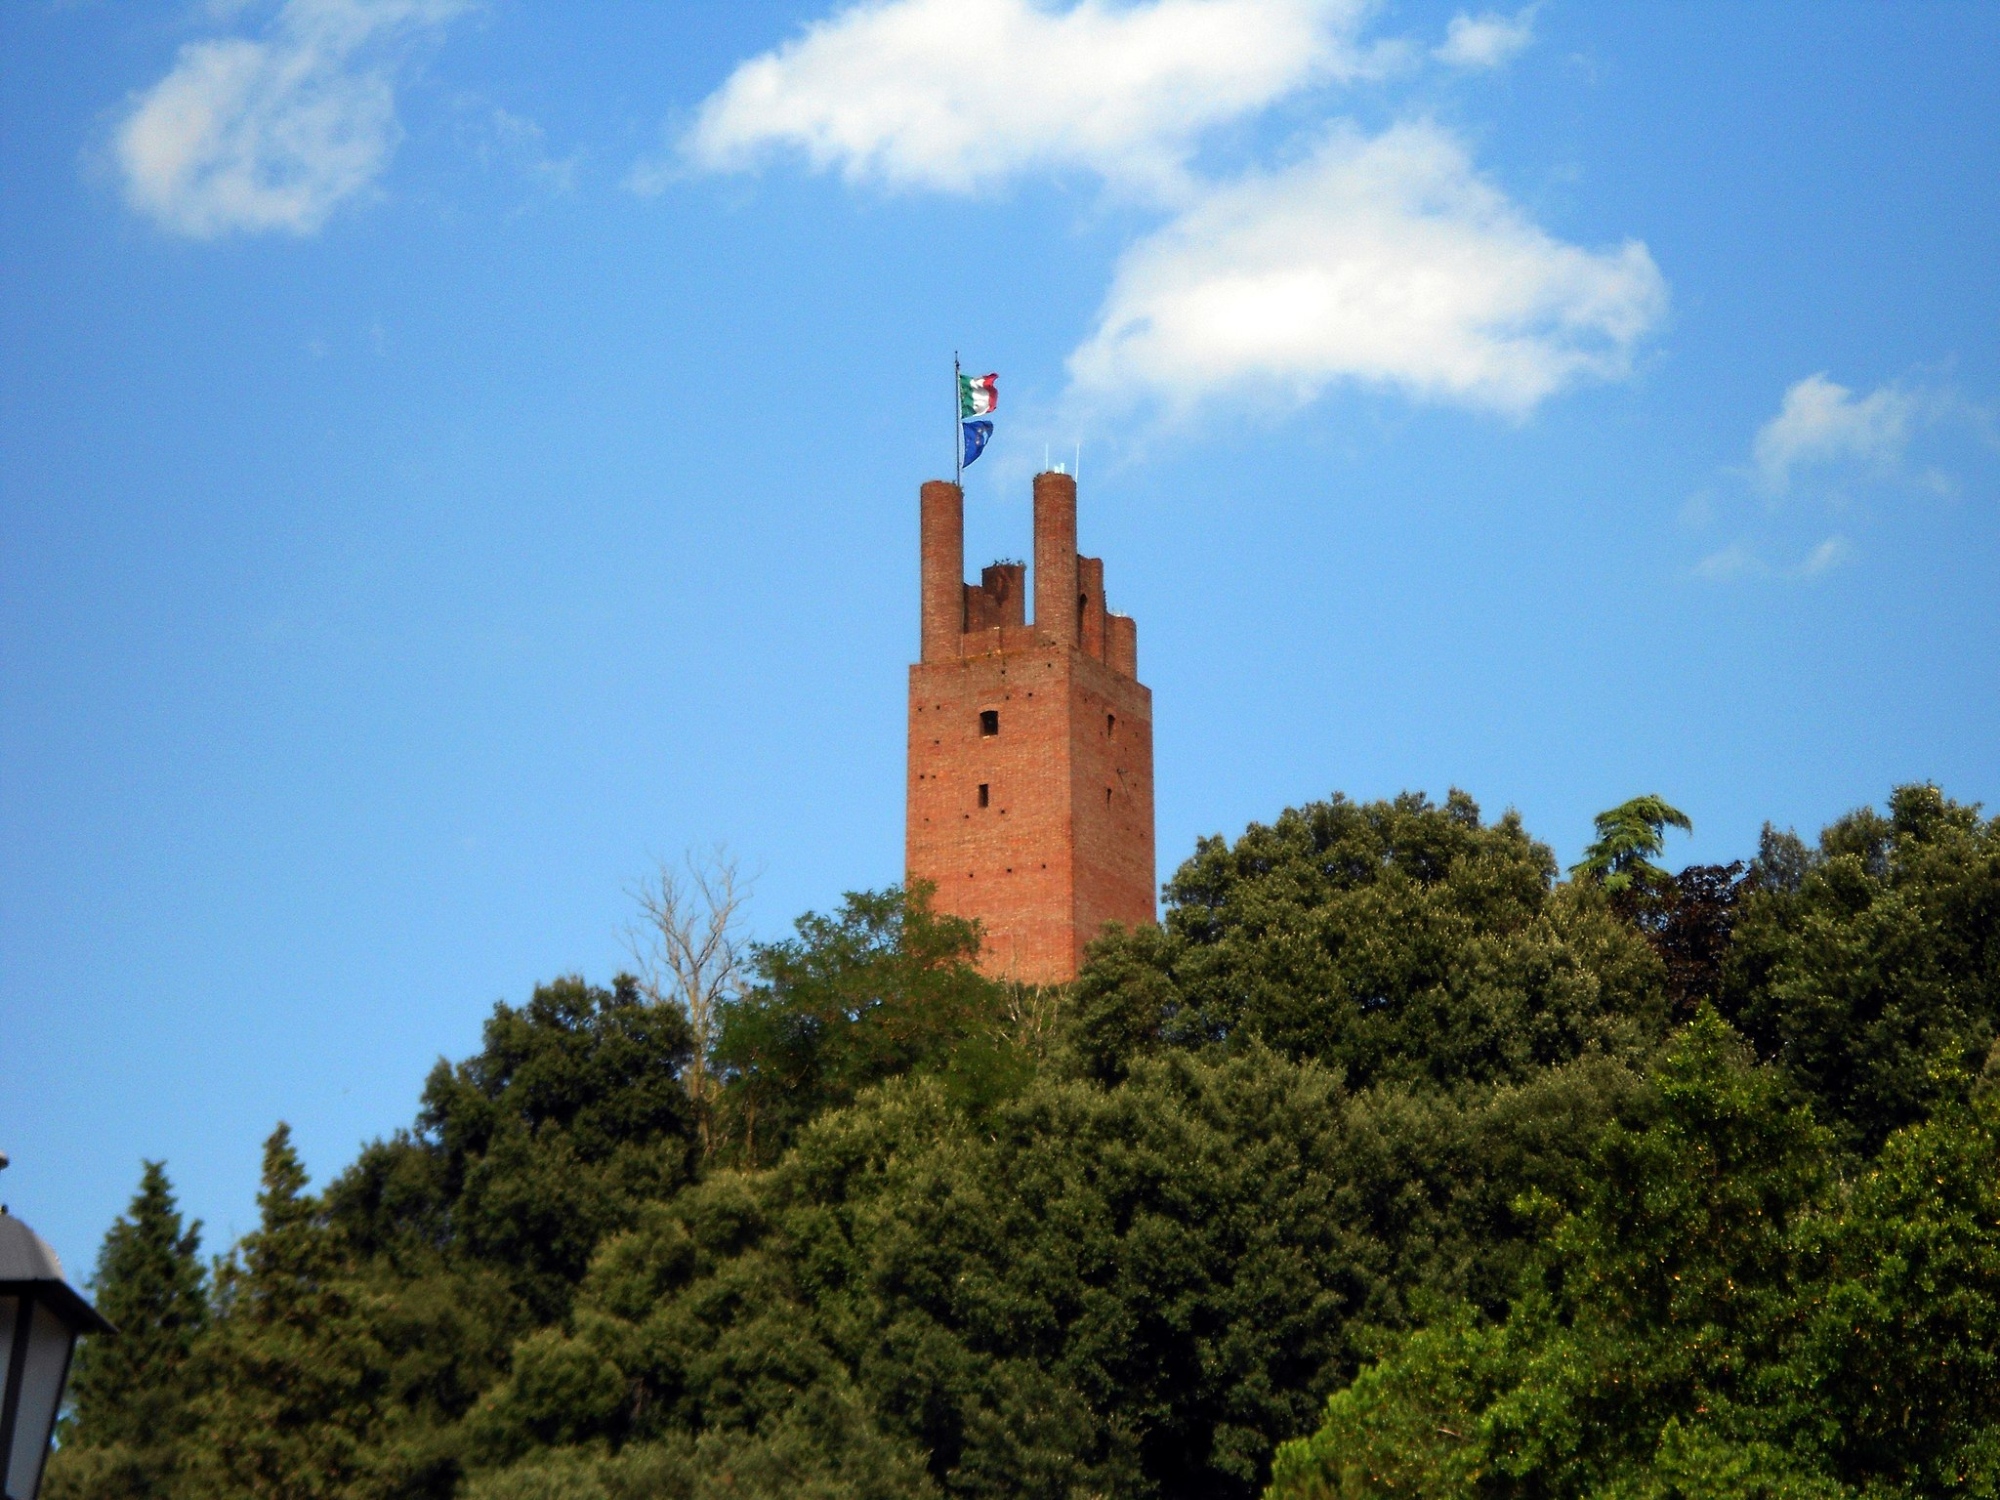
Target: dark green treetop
{"points": [[1394, 940], [530, 1151], [883, 987], [1869, 968], [1718, 1315], [291, 1405]]}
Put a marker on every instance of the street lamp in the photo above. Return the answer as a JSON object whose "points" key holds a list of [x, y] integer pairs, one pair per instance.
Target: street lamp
{"points": [[41, 1316]]}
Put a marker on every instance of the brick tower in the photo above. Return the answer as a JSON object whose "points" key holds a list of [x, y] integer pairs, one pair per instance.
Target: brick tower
{"points": [[1031, 746]]}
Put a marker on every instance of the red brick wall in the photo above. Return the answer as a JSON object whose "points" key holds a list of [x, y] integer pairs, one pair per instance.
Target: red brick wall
{"points": [[1111, 788], [1007, 863], [1064, 842]]}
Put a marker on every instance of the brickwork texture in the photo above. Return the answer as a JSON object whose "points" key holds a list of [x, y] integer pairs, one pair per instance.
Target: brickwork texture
{"points": [[1030, 800]]}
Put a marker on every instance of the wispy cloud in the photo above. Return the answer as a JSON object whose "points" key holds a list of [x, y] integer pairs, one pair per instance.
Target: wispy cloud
{"points": [[502, 138], [273, 132], [1820, 422], [1387, 261], [1737, 560], [1740, 560], [1829, 451], [1830, 553], [1487, 40], [901, 95]]}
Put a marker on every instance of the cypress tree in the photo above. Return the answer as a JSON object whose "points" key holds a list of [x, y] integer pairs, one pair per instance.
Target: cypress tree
{"points": [[129, 1392], [293, 1376]]}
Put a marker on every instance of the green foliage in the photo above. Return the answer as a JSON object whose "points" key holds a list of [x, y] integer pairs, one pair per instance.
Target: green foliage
{"points": [[885, 987], [1628, 836], [128, 1393], [1717, 1316], [528, 1153], [1131, 1291], [1870, 968], [1382, 1128], [1396, 940], [294, 1382], [825, 1447], [987, 1289], [1901, 1342]]}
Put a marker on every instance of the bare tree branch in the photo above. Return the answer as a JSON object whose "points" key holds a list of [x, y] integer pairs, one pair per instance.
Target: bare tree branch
{"points": [[688, 946], [1030, 1012]]}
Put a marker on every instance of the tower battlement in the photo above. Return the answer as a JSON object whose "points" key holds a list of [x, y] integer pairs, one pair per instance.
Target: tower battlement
{"points": [[1030, 798]]}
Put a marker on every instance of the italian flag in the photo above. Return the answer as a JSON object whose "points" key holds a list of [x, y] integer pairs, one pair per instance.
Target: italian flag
{"points": [[977, 394]]}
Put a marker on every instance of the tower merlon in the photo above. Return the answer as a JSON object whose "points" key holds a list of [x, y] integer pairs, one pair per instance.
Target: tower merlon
{"points": [[998, 600], [1121, 652], [1090, 605], [941, 522], [1057, 618]]}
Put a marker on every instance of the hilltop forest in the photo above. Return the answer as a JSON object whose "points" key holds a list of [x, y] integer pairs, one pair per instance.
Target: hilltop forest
{"points": [[1394, 1162]]}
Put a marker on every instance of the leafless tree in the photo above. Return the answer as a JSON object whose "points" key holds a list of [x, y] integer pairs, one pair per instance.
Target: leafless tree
{"points": [[1030, 1011], [687, 942]]}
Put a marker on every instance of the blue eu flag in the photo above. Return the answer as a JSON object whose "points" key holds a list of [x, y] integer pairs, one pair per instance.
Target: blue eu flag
{"points": [[976, 434]]}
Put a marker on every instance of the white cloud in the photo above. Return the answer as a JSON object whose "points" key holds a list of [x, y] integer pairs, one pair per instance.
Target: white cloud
{"points": [[937, 94], [1820, 422], [1387, 261], [1487, 40], [272, 133]]}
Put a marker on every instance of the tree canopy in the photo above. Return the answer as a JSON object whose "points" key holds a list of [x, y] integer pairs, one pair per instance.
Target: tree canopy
{"points": [[1388, 1164]]}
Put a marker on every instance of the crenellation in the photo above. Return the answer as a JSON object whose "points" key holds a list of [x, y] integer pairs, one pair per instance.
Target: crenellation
{"points": [[996, 602]]}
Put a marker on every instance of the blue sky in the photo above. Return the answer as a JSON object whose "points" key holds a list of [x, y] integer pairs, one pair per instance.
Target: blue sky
{"points": [[454, 454]]}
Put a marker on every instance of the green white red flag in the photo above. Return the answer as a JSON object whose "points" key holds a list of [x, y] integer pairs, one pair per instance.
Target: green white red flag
{"points": [[977, 394]]}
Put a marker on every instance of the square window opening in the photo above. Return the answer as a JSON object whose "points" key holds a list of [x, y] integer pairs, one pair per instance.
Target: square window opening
{"points": [[984, 795], [989, 721]]}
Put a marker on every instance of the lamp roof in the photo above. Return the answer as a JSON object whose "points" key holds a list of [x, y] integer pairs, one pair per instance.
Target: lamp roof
{"points": [[28, 1266], [25, 1255]]}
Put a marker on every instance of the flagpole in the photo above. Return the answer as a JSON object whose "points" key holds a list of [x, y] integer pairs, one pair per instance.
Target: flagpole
{"points": [[957, 437]]}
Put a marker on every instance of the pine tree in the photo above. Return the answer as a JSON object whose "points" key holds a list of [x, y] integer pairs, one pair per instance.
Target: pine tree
{"points": [[129, 1392]]}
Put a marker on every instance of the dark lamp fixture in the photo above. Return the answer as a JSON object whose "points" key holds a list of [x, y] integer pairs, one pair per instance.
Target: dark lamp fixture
{"points": [[41, 1316]]}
